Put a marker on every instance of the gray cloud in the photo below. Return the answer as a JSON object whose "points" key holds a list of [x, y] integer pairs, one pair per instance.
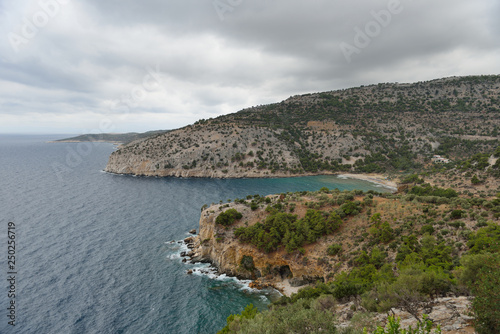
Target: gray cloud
{"points": [[93, 60]]}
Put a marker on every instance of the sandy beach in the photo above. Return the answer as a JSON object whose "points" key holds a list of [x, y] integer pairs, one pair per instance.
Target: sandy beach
{"points": [[372, 177]]}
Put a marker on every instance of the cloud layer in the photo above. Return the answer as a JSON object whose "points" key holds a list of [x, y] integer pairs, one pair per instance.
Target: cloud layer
{"points": [[66, 65]]}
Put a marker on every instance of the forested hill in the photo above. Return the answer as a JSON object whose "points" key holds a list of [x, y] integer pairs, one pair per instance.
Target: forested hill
{"points": [[376, 128]]}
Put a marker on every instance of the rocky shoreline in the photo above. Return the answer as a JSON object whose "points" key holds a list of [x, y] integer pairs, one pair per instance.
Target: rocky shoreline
{"points": [[452, 313], [284, 287]]}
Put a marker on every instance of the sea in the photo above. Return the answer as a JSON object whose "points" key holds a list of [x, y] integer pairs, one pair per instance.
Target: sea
{"points": [[99, 253]]}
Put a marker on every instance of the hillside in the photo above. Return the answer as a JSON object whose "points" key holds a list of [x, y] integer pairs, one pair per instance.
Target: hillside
{"points": [[401, 253], [377, 128]]}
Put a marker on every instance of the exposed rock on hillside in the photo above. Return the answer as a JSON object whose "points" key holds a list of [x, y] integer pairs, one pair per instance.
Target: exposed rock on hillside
{"points": [[218, 245], [452, 314], [403, 254], [367, 129]]}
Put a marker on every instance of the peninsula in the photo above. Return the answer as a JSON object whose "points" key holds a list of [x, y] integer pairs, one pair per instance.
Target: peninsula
{"points": [[383, 128]]}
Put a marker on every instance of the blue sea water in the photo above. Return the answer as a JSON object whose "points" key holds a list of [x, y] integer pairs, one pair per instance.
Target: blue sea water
{"points": [[94, 251]]}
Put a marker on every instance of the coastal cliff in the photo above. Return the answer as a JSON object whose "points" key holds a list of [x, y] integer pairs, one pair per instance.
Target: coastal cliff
{"points": [[219, 246], [370, 129], [359, 253], [222, 151]]}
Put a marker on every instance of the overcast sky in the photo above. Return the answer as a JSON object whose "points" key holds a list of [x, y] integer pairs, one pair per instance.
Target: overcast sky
{"points": [[70, 66]]}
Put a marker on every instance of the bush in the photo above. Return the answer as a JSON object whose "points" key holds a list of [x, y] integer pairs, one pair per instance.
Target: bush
{"points": [[487, 239], [471, 265], [234, 320], [393, 327], [361, 321], [334, 249], [456, 214], [412, 290], [382, 232], [284, 229], [427, 229], [349, 208], [311, 292], [486, 304], [228, 217], [247, 263], [428, 190], [301, 317], [412, 178], [481, 275], [348, 288]]}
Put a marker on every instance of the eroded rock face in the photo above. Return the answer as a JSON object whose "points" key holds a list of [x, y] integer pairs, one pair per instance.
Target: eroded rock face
{"points": [[204, 152], [218, 245]]}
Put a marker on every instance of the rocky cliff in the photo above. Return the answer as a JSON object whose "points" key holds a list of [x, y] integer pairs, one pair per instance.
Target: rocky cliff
{"points": [[362, 243], [366, 129], [218, 151], [218, 245]]}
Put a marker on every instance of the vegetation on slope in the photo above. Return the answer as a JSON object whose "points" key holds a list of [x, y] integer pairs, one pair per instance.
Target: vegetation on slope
{"points": [[378, 128], [410, 249]]}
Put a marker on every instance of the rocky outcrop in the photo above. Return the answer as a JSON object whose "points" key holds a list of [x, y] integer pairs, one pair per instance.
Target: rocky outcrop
{"points": [[219, 246], [452, 314]]}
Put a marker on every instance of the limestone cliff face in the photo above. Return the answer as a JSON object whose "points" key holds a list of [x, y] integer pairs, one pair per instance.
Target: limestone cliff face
{"points": [[219, 246], [214, 151], [329, 131]]}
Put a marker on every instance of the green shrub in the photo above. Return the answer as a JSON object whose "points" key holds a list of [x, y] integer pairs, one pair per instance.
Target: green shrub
{"points": [[300, 317], [347, 288], [457, 224], [284, 229], [412, 178], [480, 273], [334, 249], [228, 217], [471, 265], [487, 239], [247, 263], [428, 190], [234, 320], [456, 214], [427, 229], [393, 327], [382, 232], [311, 292]]}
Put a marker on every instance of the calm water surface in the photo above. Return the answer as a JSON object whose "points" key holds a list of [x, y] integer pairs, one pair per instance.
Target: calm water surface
{"points": [[93, 249]]}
